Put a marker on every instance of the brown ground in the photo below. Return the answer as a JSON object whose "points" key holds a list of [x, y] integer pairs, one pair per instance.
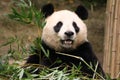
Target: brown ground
{"points": [[27, 33]]}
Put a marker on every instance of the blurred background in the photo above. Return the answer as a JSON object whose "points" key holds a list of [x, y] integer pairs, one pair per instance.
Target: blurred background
{"points": [[26, 33]]}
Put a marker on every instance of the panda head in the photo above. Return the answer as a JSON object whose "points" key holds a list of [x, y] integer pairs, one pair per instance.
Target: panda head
{"points": [[64, 29]]}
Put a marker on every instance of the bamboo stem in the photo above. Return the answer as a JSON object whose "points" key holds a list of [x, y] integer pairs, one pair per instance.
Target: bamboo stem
{"points": [[111, 62]]}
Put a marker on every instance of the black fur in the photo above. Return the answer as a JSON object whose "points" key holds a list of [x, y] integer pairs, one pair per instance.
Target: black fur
{"points": [[85, 51], [58, 26], [77, 29], [82, 12], [47, 10]]}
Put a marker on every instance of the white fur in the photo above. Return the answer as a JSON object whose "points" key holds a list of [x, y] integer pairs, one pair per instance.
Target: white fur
{"points": [[52, 39]]}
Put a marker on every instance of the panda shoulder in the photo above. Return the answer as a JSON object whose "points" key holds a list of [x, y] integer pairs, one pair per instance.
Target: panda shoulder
{"points": [[86, 47]]}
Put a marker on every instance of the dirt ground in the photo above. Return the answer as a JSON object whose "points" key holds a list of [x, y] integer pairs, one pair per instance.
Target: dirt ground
{"points": [[27, 33]]}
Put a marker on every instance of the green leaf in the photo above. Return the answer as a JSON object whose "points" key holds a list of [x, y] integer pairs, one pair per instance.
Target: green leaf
{"points": [[21, 73], [10, 41]]}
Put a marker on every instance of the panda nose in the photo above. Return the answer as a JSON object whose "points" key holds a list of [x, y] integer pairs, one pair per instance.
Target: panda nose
{"points": [[69, 33]]}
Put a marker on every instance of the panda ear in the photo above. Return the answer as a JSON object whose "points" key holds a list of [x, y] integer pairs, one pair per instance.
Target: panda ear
{"points": [[47, 10], [82, 12]]}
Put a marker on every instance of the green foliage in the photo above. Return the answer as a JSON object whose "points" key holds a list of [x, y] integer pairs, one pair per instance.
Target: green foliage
{"points": [[24, 11], [96, 3], [16, 72], [10, 41], [38, 46]]}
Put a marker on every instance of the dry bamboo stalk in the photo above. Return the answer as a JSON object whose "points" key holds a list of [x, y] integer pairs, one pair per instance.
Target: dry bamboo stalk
{"points": [[118, 48], [115, 53], [117, 70], [113, 48], [110, 33], [111, 63], [108, 36], [105, 65]]}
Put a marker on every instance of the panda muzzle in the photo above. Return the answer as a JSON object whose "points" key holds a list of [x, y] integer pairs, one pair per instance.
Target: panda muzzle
{"points": [[67, 41]]}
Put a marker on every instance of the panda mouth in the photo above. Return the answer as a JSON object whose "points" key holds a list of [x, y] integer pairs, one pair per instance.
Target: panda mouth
{"points": [[67, 42]]}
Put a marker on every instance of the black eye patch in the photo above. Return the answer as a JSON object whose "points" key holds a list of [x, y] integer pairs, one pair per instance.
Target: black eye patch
{"points": [[76, 27], [58, 26]]}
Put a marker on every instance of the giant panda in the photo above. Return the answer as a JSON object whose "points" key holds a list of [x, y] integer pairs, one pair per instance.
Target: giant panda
{"points": [[65, 36]]}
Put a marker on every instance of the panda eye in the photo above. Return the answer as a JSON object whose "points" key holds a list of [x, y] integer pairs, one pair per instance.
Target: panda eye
{"points": [[76, 27], [58, 26]]}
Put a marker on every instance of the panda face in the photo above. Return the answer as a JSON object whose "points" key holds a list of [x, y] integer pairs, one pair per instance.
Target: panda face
{"points": [[64, 30], [67, 33]]}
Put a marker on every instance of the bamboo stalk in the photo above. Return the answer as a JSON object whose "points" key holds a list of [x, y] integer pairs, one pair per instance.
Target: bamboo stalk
{"points": [[111, 62], [113, 48], [117, 70], [108, 30]]}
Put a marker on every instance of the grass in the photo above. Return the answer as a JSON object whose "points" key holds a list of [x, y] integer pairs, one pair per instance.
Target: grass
{"points": [[12, 64]]}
